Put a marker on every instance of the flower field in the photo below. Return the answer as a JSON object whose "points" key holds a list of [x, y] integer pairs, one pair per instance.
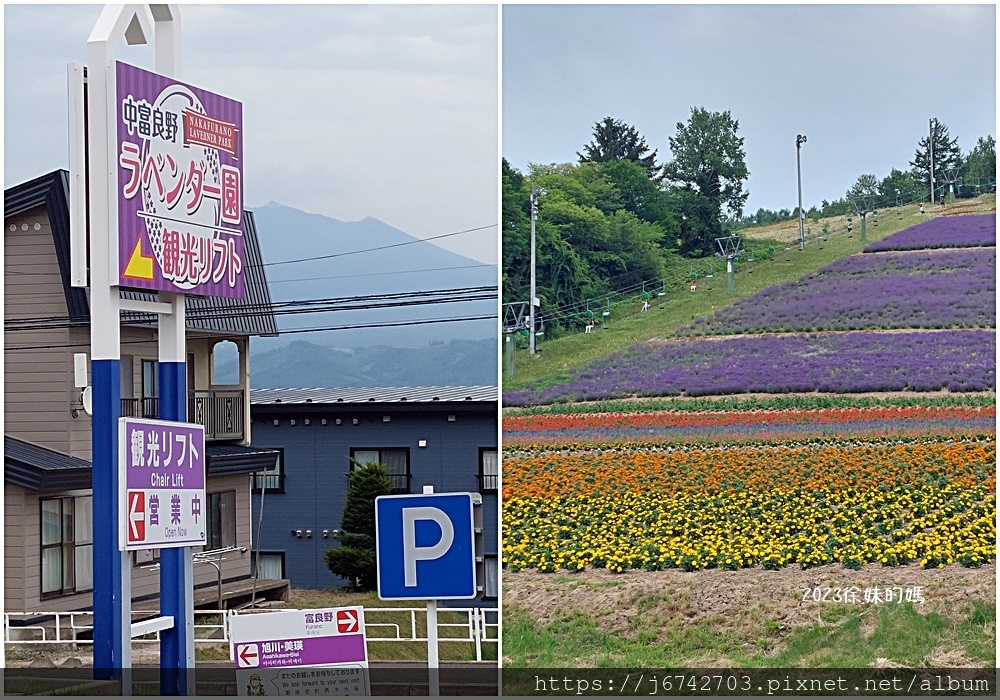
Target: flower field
{"points": [[937, 289], [853, 502], [942, 232], [586, 431], [864, 361]]}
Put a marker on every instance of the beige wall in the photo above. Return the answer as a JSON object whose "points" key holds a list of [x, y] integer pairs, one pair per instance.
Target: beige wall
{"points": [[37, 380], [22, 574], [13, 541]]}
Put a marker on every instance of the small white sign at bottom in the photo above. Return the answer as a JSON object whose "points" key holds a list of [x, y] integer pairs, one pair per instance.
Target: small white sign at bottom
{"points": [[309, 681]]}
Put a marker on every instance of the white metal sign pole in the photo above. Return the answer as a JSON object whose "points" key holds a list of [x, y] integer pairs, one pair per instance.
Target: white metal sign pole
{"points": [[433, 665], [112, 603]]}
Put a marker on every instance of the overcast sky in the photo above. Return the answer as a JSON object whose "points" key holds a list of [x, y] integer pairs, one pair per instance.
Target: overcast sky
{"points": [[860, 82], [349, 111]]}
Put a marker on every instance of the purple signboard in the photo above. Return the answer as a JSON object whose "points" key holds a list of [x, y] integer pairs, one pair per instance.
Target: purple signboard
{"points": [[180, 186], [304, 651], [162, 484]]}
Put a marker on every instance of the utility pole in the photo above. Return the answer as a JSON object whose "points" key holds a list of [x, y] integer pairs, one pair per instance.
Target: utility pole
{"points": [[535, 194], [932, 158], [799, 140]]}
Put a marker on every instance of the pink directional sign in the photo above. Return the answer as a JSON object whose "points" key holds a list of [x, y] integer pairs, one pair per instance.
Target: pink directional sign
{"points": [[162, 485], [180, 186]]}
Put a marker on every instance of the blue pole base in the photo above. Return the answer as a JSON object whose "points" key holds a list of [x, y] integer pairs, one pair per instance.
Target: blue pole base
{"points": [[176, 594], [107, 562]]}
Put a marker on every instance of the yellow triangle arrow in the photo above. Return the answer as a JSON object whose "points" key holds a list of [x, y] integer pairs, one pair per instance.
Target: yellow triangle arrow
{"points": [[139, 266]]}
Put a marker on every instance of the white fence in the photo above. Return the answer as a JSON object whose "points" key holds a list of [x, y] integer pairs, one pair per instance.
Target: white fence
{"points": [[474, 626]]}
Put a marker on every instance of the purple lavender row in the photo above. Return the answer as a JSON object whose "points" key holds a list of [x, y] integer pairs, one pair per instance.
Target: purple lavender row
{"points": [[942, 232], [843, 363], [941, 289]]}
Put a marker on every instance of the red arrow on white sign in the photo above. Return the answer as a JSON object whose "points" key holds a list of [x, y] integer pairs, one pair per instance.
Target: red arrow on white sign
{"points": [[136, 516], [247, 655], [347, 621]]}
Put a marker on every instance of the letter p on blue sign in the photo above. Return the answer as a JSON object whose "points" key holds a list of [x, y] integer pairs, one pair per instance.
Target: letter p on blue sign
{"points": [[425, 547]]}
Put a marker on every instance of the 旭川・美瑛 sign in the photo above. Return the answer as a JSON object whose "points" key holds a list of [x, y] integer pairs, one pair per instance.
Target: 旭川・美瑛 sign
{"points": [[179, 152]]}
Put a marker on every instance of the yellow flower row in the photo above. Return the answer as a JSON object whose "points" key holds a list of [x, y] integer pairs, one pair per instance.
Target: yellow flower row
{"points": [[933, 525]]}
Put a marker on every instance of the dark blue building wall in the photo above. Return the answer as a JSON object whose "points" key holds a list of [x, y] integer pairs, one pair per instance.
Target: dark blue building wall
{"points": [[316, 465]]}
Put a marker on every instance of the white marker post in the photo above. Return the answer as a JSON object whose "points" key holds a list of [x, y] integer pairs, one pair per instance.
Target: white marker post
{"points": [[433, 665]]}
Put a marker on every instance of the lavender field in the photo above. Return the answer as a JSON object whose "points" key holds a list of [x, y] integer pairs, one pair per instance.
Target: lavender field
{"points": [[866, 361], [933, 289], [943, 232]]}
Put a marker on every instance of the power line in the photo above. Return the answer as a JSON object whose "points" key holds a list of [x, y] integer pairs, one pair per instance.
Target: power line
{"points": [[295, 307], [337, 255], [369, 250], [377, 274], [385, 324]]}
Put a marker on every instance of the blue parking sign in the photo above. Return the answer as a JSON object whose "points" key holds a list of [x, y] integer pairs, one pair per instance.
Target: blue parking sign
{"points": [[425, 547]]}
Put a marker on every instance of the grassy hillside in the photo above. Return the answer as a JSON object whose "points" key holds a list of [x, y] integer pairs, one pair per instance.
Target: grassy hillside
{"points": [[627, 325]]}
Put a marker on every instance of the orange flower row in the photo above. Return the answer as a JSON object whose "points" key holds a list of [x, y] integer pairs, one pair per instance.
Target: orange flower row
{"points": [[813, 467]]}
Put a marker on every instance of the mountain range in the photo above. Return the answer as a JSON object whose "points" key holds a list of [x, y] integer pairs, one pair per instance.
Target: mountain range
{"points": [[358, 259]]}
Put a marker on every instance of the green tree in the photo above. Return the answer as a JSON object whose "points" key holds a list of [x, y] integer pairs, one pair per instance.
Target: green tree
{"points": [[863, 194], [981, 164], [947, 156], [639, 194], [709, 164], [898, 186], [616, 140], [516, 236], [354, 559]]}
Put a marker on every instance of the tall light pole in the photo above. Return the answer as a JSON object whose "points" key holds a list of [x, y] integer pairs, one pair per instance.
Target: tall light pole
{"points": [[799, 140], [535, 194]]}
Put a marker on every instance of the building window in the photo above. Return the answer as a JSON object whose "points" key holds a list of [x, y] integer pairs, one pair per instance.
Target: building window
{"points": [[67, 545], [395, 459], [269, 565], [150, 389], [125, 368], [272, 479], [489, 472], [491, 585], [220, 520]]}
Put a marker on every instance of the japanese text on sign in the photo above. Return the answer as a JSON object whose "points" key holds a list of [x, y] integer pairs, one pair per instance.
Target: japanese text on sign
{"points": [[180, 186]]}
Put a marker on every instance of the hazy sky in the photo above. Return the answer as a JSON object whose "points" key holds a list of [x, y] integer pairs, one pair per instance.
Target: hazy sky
{"points": [[861, 82], [349, 111]]}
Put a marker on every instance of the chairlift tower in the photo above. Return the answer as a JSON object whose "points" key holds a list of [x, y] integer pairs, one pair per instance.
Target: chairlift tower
{"points": [[952, 176], [862, 205], [730, 248]]}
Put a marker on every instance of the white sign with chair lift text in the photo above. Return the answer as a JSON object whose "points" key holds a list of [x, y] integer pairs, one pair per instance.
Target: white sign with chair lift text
{"points": [[320, 653], [161, 484]]}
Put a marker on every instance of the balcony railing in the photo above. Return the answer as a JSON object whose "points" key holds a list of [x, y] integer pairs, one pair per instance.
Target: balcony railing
{"points": [[141, 408], [488, 483], [220, 411]]}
